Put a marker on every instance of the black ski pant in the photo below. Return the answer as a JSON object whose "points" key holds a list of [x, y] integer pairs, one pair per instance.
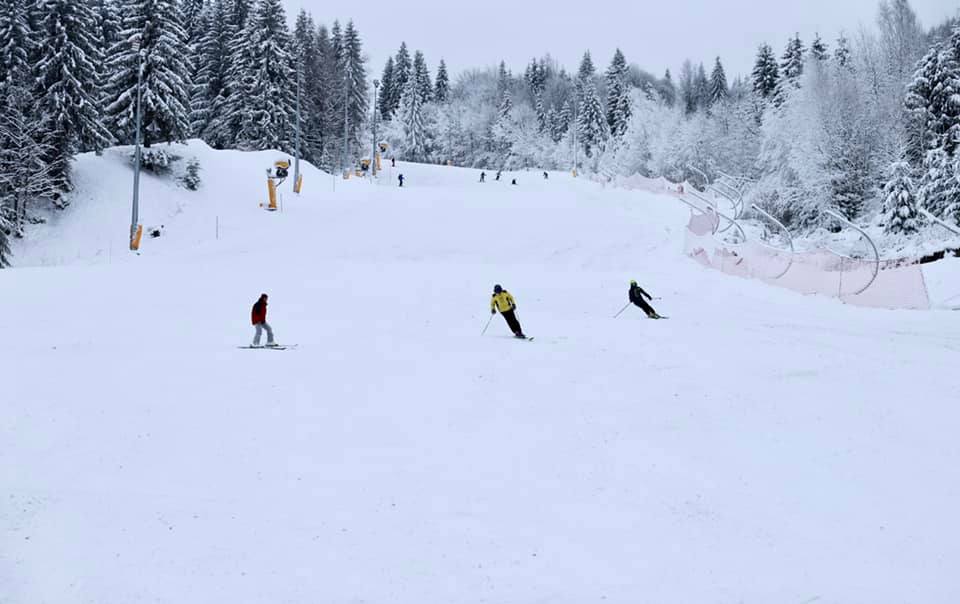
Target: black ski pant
{"points": [[512, 322], [646, 308]]}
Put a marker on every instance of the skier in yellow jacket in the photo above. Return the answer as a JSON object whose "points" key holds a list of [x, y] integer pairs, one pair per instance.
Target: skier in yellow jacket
{"points": [[504, 302]]}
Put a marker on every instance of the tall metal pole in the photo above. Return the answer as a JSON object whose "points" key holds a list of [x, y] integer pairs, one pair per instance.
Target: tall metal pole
{"points": [[135, 218], [296, 157], [373, 157]]}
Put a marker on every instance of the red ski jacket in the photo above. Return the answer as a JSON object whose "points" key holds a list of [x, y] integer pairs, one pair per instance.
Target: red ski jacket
{"points": [[259, 314]]}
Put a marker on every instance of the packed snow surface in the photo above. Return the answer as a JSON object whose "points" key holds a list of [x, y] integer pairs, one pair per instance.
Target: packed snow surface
{"points": [[759, 446]]}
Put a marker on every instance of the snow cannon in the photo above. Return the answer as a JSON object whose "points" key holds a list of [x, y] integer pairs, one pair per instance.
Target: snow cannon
{"points": [[275, 178], [383, 149]]}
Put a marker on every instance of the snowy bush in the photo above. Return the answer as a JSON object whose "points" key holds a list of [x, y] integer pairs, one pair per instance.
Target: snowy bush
{"points": [[191, 180], [157, 161]]}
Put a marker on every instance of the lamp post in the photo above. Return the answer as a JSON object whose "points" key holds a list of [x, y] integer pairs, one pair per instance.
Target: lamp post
{"points": [[373, 157], [135, 218]]}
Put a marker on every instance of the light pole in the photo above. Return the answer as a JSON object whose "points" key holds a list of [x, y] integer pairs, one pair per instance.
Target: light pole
{"points": [[135, 218], [296, 156], [373, 157]]}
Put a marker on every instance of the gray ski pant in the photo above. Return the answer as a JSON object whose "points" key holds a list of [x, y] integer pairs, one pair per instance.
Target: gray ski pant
{"points": [[260, 327]]}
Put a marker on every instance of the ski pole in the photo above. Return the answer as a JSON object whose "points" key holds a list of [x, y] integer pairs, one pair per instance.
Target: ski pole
{"points": [[487, 325], [621, 311]]}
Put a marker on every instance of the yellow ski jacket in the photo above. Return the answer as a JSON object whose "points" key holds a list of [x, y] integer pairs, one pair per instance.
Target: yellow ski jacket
{"points": [[502, 302]]}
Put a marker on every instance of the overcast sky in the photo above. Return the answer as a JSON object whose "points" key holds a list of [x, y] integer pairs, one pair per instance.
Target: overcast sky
{"points": [[655, 34]]}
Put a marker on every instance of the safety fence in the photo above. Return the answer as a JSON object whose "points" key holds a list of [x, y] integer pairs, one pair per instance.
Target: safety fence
{"points": [[715, 238]]}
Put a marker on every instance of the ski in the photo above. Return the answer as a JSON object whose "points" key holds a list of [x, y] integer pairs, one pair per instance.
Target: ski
{"points": [[277, 347]]}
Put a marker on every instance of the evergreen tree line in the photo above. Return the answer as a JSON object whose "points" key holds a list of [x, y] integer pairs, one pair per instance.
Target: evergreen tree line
{"points": [[867, 125], [495, 119], [226, 71]]}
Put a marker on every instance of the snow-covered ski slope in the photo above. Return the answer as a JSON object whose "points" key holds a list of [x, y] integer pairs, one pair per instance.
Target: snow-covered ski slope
{"points": [[761, 446]]}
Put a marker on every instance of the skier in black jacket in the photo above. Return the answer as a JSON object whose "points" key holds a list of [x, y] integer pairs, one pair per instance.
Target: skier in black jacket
{"points": [[637, 296]]}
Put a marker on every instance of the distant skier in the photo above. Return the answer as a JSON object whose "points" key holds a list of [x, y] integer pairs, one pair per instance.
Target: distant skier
{"points": [[513, 182], [504, 302], [546, 176], [637, 296], [483, 177], [498, 176], [400, 178], [393, 162], [259, 318]]}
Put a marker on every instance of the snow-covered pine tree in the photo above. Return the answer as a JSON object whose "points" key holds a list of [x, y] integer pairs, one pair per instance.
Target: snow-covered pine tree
{"points": [[17, 42], [401, 73], [561, 125], [359, 93], [933, 101], [585, 72], [791, 68], [718, 83], [212, 62], [306, 58], [503, 127], [818, 49], [68, 86], [319, 86], [550, 121], [441, 89], [766, 72], [412, 118], [939, 191], [668, 91], [156, 26], [900, 201], [616, 88], [841, 54], [537, 77], [618, 95], [386, 90], [270, 120], [592, 127], [333, 150], [947, 121], [503, 80], [791, 65], [422, 75], [25, 174], [234, 44], [543, 123]]}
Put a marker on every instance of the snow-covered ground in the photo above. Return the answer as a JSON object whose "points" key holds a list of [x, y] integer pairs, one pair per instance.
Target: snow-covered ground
{"points": [[759, 446]]}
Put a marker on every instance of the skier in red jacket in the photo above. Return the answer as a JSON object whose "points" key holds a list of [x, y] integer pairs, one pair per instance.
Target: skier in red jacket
{"points": [[259, 319]]}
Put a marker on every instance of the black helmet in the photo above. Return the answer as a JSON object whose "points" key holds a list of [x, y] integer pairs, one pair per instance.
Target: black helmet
{"points": [[497, 289]]}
